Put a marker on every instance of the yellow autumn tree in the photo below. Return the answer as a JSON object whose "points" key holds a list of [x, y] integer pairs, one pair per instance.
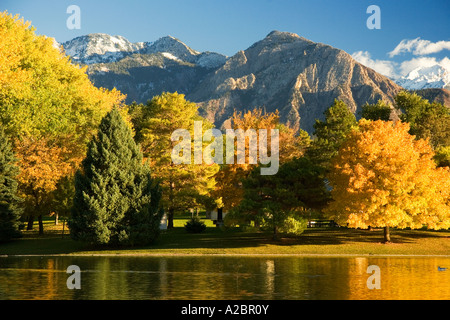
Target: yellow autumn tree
{"points": [[41, 92], [45, 102], [292, 144], [42, 165], [185, 185], [384, 177]]}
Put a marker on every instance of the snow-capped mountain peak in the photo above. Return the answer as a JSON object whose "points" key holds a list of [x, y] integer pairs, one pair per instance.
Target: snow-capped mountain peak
{"points": [[103, 48], [436, 76], [99, 47]]}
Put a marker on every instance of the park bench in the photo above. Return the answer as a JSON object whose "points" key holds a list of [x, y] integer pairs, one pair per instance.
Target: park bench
{"points": [[322, 224]]}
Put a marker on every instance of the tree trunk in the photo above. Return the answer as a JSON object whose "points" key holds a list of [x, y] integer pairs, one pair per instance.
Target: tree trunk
{"points": [[387, 235], [30, 222], [275, 233], [56, 219], [170, 219], [41, 225]]}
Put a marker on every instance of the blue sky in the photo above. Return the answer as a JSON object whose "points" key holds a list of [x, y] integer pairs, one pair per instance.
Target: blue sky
{"points": [[232, 25]]}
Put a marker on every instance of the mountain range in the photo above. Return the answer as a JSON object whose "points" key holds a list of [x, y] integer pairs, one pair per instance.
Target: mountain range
{"points": [[283, 71]]}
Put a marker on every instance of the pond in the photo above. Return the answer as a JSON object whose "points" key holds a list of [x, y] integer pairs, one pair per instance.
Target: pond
{"points": [[224, 277]]}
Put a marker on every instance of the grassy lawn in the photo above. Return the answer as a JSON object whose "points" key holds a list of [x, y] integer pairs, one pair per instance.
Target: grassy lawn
{"points": [[233, 241]]}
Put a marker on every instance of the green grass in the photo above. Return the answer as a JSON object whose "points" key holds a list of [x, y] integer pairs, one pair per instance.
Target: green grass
{"points": [[329, 241]]}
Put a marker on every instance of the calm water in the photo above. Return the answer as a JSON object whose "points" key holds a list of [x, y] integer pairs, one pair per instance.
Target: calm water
{"points": [[287, 278]]}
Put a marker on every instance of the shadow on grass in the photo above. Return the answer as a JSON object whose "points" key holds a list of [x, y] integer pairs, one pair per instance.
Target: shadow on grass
{"points": [[52, 241]]}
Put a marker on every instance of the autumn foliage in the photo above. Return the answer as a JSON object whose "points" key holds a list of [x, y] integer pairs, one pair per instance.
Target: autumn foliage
{"points": [[384, 177], [229, 189], [381, 173], [48, 108], [42, 165]]}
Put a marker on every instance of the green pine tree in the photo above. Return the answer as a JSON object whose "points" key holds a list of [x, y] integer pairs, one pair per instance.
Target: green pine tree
{"points": [[10, 210], [116, 202], [427, 120], [378, 111], [277, 200], [331, 133]]}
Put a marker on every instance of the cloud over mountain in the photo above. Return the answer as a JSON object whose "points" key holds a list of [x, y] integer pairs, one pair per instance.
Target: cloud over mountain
{"points": [[419, 47], [385, 67], [418, 72]]}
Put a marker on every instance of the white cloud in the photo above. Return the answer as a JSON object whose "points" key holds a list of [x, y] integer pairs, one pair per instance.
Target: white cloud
{"points": [[445, 62], [419, 47], [396, 70], [409, 65], [385, 67]]}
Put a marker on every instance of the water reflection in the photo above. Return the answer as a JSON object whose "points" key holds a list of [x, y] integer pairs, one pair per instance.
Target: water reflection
{"points": [[212, 277]]}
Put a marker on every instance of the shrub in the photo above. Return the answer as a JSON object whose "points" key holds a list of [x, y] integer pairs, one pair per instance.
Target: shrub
{"points": [[294, 225], [195, 225]]}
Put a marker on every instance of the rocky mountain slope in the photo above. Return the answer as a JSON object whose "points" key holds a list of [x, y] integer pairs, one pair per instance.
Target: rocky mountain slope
{"points": [[435, 95], [144, 69], [284, 71], [298, 77]]}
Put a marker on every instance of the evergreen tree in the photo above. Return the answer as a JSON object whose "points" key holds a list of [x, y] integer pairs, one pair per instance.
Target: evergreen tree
{"points": [[427, 120], [10, 210], [274, 200], [442, 157], [116, 201], [331, 133], [377, 111]]}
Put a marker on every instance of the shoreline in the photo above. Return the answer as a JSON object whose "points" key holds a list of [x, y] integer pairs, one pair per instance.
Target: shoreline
{"points": [[276, 255], [217, 243]]}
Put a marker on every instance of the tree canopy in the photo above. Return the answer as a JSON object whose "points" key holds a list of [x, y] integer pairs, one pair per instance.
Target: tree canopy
{"points": [[427, 120], [184, 186], [49, 109], [330, 133], [383, 177], [229, 189], [378, 111], [274, 200]]}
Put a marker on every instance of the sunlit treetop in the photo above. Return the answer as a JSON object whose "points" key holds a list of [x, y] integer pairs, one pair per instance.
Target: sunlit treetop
{"points": [[41, 92]]}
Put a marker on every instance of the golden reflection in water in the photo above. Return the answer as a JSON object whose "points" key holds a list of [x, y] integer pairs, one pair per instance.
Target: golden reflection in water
{"points": [[49, 292], [270, 277], [401, 278], [212, 278]]}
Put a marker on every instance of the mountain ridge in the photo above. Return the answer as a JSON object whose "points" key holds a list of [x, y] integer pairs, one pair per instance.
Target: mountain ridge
{"points": [[97, 48], [297, 76], [282, 71]]}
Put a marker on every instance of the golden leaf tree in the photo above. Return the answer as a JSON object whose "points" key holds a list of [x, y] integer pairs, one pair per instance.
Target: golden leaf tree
{"points": [[229, 189], [384, 177], [185, 185], [42, 166], [48, 107]]}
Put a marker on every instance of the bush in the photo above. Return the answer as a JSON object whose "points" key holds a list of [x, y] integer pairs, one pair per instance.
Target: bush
{"points": [[195, 225], [294, 226]]}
